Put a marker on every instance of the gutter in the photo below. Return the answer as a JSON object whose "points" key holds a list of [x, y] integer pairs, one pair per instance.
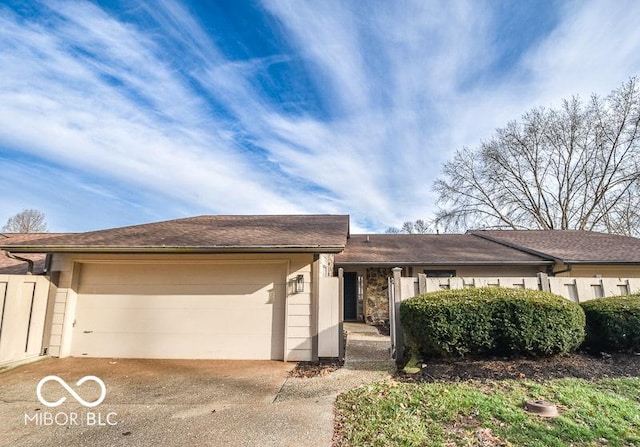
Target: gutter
{"points": [[175, 249], [18, 258]]}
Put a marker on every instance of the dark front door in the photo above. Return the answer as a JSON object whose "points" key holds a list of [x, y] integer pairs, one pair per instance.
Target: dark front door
{"points": [[350, 296]]}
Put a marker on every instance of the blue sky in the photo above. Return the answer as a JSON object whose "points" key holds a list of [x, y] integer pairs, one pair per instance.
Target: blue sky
{"points": [[121, 112]]}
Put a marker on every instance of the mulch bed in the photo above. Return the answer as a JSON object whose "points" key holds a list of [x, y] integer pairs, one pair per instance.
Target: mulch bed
{"points": [[577, 365], [305, 370], [314, 369]]}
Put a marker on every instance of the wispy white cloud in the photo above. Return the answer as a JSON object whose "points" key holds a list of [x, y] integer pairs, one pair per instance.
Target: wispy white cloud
{"points": [[161, 109], [91, 93], [596, 48], [388, 72], [440, 88]]}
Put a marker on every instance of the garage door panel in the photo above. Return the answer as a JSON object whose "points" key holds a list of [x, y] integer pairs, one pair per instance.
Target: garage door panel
{"points": [[189, 274], [178, 289], [140, 311], [180, 346], [127, 301], [178, 321]]}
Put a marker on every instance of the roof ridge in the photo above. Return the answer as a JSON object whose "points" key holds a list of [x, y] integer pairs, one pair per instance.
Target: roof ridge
{"points": [[517, 247]]}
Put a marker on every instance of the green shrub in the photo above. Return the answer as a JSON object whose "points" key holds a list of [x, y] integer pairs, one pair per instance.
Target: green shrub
{"points": [[480, 321], [613, 324]]}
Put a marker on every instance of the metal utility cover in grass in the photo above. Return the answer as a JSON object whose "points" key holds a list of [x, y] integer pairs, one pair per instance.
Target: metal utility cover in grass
{"points": [[542, 408]]}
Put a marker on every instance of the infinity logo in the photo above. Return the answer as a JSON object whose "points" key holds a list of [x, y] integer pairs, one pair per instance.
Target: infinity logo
{"points": [[75, 395]]}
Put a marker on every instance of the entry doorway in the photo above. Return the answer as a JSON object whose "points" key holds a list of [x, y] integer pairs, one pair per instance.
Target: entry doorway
{"points": [[350, 296]]}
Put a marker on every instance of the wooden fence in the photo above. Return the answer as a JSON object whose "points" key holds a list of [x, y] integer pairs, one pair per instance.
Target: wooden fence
{"points": [[574, 289], [23, 310]]}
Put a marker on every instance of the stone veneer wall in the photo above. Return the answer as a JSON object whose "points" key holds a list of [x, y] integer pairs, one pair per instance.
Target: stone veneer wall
{"points": [[376, 295]]}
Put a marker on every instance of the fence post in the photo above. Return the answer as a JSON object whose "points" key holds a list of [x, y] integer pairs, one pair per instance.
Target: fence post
{"points": [[543, 281], [392, 319], [422, 283], [397, 299], [341, 346]]}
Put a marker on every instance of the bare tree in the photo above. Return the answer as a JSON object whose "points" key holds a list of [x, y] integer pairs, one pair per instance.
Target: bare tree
{"points": [[421, 227], [408, 227], [26, 221], [577, 167]]}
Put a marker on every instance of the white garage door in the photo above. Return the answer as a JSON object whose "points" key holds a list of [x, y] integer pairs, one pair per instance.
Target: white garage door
{"points": [[207, 311]]}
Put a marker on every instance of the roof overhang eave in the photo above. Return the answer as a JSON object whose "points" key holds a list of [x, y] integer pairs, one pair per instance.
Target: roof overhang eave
{"points": [[174, 249], [592, 262], [452, 263]]}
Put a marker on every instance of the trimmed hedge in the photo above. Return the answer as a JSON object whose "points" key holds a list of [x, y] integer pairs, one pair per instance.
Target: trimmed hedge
{"points": [[613, 324], [492, 320]]}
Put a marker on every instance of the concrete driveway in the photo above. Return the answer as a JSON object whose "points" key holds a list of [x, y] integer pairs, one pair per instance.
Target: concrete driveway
{"points": [[160, 402]]}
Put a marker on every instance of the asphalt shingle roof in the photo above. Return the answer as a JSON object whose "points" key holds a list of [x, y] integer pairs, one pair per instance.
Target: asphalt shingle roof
{"points": [[326, 233], [570, 245], [425, 249], [10, 266]]}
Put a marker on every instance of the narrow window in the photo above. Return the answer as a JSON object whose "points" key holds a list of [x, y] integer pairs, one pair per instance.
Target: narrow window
{"points": [[440, 273]]}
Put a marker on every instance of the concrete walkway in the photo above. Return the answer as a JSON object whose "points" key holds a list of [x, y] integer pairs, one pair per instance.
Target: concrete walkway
{"points": [[367, 360], [367, 350]]}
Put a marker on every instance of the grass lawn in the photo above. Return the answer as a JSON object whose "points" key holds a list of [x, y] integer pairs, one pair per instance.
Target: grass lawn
{"points": [[603, 412]]}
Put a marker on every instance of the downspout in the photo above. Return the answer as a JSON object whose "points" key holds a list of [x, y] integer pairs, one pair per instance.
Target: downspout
{"points": [[47, 263], [18, 258], [568, 269]]}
